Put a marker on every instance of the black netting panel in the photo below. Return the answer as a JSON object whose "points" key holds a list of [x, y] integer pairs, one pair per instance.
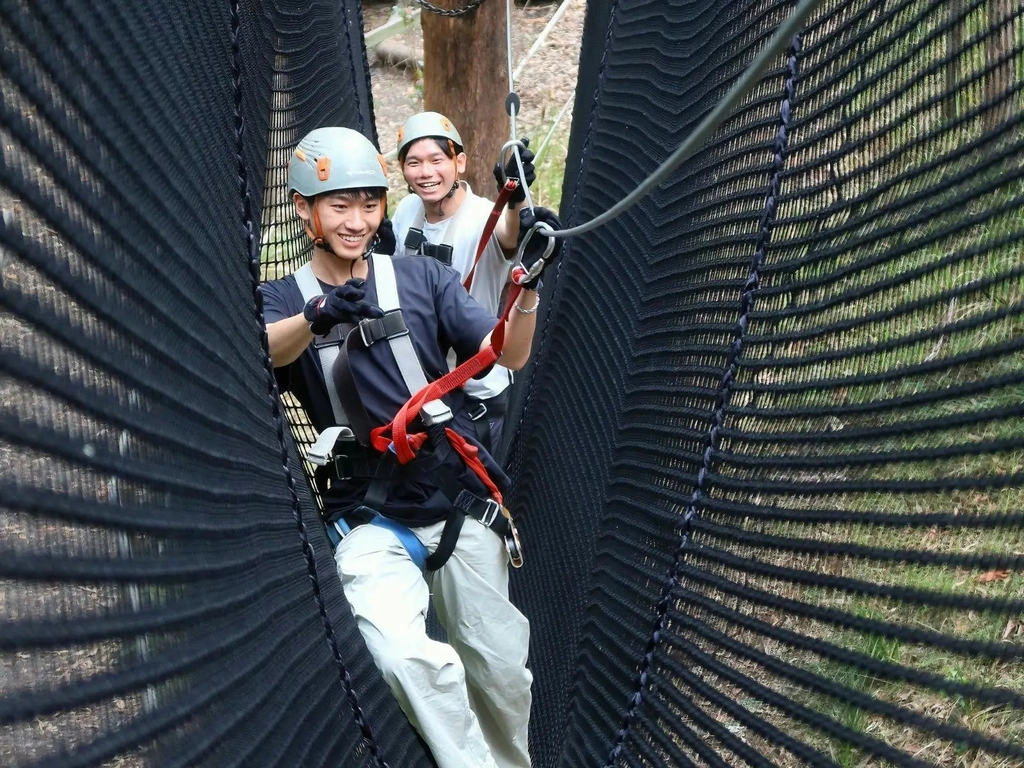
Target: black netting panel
{"points": [[770, 479], [319, 77], [770, 471], [167, 595]]}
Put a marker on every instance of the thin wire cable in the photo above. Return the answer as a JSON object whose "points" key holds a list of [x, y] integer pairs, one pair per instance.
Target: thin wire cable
{"points": [[748, 80], [508, 54], [511, 103]]}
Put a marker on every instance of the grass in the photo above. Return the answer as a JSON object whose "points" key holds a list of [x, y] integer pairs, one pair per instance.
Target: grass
{"points": [[547, 189]]}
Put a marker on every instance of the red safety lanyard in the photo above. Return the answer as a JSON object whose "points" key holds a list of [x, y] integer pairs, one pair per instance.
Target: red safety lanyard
{"points": [[397, 432], [406, 444], [492, 222]]}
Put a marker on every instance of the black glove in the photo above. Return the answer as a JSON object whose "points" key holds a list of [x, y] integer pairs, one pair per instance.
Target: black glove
{"points": [[344, 304], [386, 241], [538, 243], [512, 172]]}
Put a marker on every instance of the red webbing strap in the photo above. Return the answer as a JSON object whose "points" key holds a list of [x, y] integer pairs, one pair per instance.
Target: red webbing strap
{"points": [[397, 432], [492, 222], [470, 455]]}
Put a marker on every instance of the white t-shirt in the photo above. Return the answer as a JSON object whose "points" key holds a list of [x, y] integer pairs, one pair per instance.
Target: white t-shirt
{"points": [[492, 271]]}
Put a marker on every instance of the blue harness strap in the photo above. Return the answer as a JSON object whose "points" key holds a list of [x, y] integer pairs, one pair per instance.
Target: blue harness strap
{"points": [[409, 540]]}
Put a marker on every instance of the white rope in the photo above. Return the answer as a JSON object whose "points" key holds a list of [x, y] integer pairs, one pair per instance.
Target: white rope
{"points": [[555, 18], [554, 125]]}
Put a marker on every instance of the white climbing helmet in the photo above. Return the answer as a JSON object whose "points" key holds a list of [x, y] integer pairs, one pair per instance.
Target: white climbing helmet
{"points": [[427, 125], [335, 159]]}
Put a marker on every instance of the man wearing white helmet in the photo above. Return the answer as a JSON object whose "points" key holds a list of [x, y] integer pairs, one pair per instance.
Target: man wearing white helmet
{"points": [[444, 219], [406, 532]]}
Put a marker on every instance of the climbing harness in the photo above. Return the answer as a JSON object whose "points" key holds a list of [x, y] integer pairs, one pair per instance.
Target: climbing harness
{"points": [[416, 241], [336, 448], [353, 450], [434, 414], [396, 438], [326, 345]]}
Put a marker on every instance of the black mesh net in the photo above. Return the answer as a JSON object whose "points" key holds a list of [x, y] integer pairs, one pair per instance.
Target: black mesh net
{"points": [[166, 593], [319, 77], [770, 470]]}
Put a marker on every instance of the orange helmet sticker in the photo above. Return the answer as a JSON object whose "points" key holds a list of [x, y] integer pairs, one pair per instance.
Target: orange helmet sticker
{"points": [[323, 168], [445, 124], [300, 155], [401, 134]]}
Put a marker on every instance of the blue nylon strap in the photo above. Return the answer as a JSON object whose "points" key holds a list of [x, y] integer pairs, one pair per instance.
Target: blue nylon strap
{"points": [[417, 552], [409, 540]]}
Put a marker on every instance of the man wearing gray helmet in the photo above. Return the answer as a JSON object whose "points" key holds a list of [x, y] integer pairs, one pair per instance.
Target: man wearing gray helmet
{"points": [[444, 219], [353, 336]]}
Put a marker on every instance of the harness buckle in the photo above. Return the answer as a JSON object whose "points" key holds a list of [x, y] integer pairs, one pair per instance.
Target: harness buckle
{"points": [[322, 451], [414, 239], [374, 329], [478, 411], [332, 338], [441, 252], [336, 464], [367, 331], [435, 412], [491, 514]]}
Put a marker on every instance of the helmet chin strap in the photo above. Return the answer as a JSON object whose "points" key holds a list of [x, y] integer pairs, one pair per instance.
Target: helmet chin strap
{"points": [[373, 246], [375, 240], [452, 191], [316, 234]]}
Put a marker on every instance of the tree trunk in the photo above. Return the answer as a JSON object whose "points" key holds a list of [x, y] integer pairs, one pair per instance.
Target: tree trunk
{"points": [[465, 77]]}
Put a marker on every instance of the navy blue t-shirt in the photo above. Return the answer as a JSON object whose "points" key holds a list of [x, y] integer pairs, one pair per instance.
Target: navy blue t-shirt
{"points": [[440, 315]]}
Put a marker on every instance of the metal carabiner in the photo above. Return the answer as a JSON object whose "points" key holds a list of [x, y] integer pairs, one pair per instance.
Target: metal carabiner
{"points": [[521, 274], [513, 145], [513, 546]]}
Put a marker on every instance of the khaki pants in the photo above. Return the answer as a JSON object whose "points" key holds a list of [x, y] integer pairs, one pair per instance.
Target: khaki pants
{"points": [[470, 700]]}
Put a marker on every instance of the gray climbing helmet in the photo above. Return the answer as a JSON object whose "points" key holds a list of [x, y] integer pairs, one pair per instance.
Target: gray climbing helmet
{"points": [[426, 125], [335, 159]]}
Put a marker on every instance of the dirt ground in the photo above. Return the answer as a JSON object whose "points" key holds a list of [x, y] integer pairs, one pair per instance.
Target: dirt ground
{"points": [[547, 83]]}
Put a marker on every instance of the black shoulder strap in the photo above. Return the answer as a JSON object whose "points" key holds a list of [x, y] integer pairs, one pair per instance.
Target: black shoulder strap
{"points": [[345, 381]]}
